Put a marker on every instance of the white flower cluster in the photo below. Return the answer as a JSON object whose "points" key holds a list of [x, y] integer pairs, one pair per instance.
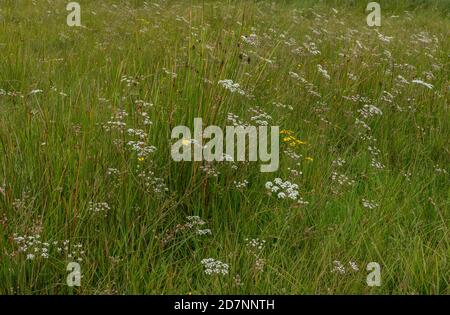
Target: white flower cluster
{"points": [[384, 38], [260, 264], [170, 73], [294, 75], [26, 201], [141, 148], [195, 222], [366, 112], [11, 93], [369, 111], [283, 189], [141, 134], [255, 244], [323, 71], [309, 86], [251, 39], [261, 118], [353, 266], [147, 121], [235, 120], [209, 170], [369, 204], [439, 169], [36, 91], [33, 248], [352, 76], [72, 252], [143, 104], [152, 182], [231, 86], [312, 48], [428, 85], [338, 267], [213, 266], [292, 154], [113, 171], [339, 162], [376, 164], [280, 105], [129, 80], [99, 207], [116, 121], [341, 179], [240, 185]]}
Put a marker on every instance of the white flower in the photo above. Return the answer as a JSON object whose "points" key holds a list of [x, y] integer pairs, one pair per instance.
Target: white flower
{"points": [[283, 189], [370, 111], [338, 267], [213, 266], [35, 91], [281, 195], [428, 85], [369, 204], [323, 71], [354, 266], [231, 86]]}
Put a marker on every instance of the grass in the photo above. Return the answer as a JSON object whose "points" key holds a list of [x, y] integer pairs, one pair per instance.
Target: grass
{"points": [[388, 203]]}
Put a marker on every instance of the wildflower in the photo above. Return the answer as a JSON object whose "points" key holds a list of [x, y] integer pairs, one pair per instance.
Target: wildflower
{"points": [[151, 181], [370, 111], [237, 281], [261, 118], [428, 85], [338, 267], [203, 232], [141, 148], [213, 266], [376, 164], [35, 92], [284, 189], [369, 204], [341, 179], [251, 39], [323, 71], [231, 86], [338, 162], [98, 207], [353, 266], [240, 185], [137, 132], [255, 244], [290, 139]]}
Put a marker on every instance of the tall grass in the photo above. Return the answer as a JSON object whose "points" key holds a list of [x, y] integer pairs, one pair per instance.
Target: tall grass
{"points": [[55, 152]]}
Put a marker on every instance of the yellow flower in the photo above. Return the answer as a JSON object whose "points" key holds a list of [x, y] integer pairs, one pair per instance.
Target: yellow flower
{"points": [[308, 158], [186, 142], [141, 159]]}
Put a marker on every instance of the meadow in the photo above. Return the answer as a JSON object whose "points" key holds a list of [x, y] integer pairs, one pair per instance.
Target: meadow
{"points": [[86, 173]]}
